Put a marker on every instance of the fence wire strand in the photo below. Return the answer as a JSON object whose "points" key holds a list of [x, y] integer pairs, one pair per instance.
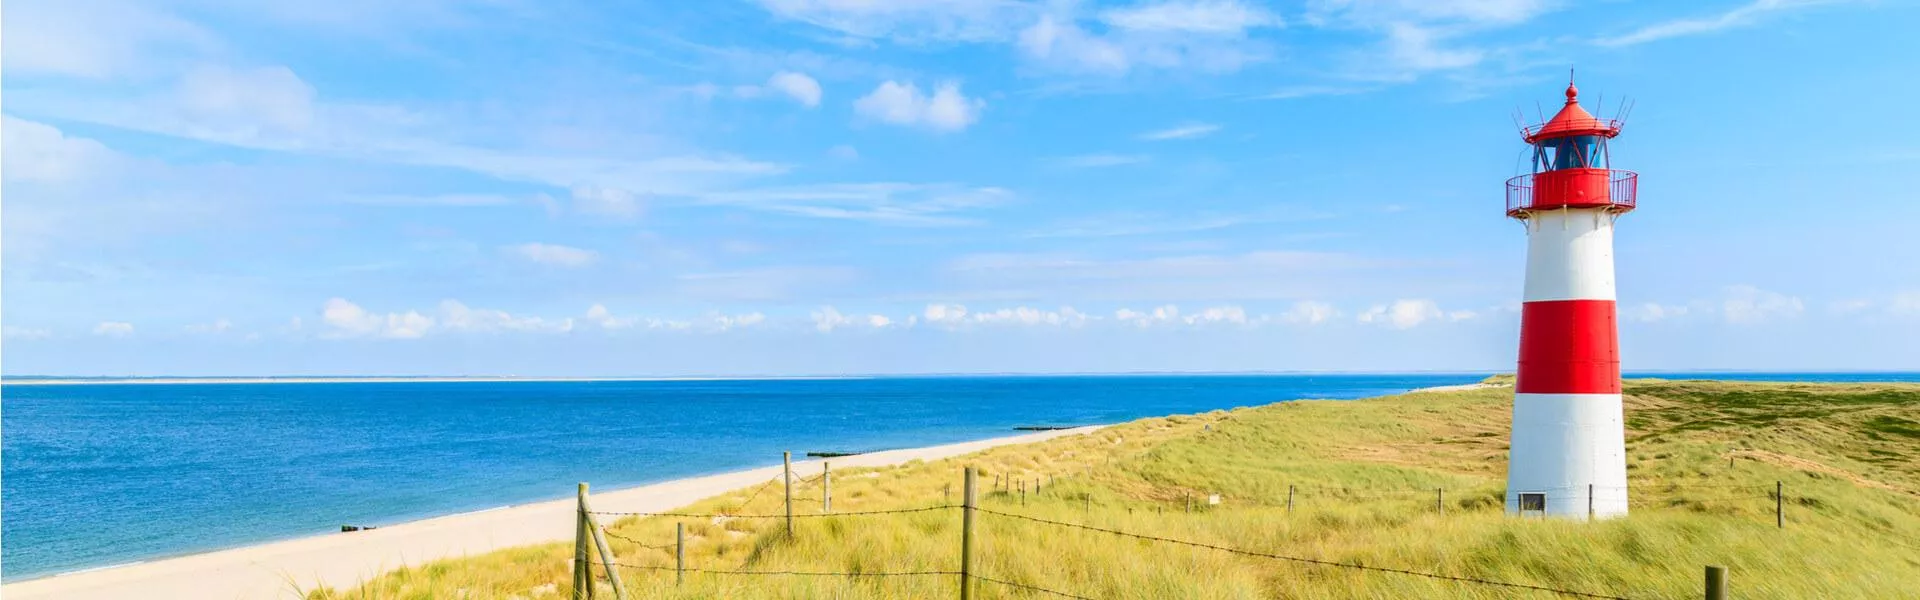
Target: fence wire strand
{"points": [[1033, 588], [853, 513], [1312, 561], [794, 573]]}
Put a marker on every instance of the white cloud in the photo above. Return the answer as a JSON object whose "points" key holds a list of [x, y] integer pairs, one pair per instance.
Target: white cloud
{"points": [[1182, 132], [1192, 16], [798, 86], [947, 109], [113, 329], [945, 314], [1159, 315], [1650, 312], [1905, 304], [1310, 312], [1743, 15], [1746, 304], [24, 333], [38, 152], [348, 320], [553, 254], [95, 39], [247, 103], [1476, 12], [1022, 315], [605, 201], [217, 326], [1403, 314], [456, 316], [886, 203], [1218, 314], [909, 20], [1098, 160], [1418, 48], [827, 319], [1065, 44]]}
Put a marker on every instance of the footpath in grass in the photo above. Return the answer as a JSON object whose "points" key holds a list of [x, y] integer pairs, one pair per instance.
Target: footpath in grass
{"points": [[1398, 496]]}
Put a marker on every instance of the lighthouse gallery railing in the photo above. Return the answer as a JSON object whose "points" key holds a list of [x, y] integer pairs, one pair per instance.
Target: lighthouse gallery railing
{"points": [[1621, 187]]}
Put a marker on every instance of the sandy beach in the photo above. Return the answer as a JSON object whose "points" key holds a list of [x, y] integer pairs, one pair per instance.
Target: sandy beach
{"points": [[341, 560]]}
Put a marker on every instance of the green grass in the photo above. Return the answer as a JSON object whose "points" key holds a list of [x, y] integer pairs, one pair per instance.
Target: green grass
{"points": [[1702, 456]]}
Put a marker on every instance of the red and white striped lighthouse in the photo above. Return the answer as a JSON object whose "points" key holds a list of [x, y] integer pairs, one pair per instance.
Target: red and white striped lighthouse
{"points": [[1568, 451]]}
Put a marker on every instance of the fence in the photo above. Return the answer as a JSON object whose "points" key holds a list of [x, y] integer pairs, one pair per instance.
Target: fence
{"points": [[591, 536]]}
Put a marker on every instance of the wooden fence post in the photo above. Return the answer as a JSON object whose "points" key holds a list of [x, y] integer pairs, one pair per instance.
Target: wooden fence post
{"points": [[1716, 583], [1440, 501], [1780, 504], [582, 577], [1589, 502], [966, 537], [826, 491], [786, 458], [679, 553], [1289, 499], [599, 537]]}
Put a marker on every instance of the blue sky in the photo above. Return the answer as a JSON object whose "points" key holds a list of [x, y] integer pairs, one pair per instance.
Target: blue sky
{"points": [[839, 186]]}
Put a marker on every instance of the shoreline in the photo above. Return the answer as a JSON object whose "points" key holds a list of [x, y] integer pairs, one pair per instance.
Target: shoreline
{"points": [[395, 379], [343, 560]]}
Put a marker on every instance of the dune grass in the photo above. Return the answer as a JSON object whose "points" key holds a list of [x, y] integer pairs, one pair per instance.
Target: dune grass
{"points": [[1703, 458]]}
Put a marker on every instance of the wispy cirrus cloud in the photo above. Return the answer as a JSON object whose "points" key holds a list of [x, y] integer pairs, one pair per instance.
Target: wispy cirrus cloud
{"points": [[1741, 16], [1181, 132]]}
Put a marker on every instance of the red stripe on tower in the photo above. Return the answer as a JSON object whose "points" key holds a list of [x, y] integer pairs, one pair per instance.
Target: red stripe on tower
{"points": [[1568, 347]]}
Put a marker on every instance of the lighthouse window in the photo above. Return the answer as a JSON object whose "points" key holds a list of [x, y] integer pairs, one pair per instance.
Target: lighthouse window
{"points": [[1577, 152]]}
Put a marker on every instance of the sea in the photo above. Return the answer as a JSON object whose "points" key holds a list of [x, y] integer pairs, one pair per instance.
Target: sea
{"points": [[105, 474]]}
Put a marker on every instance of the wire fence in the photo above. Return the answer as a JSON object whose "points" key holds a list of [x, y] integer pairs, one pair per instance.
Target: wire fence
{"points": [[1010, 492]]}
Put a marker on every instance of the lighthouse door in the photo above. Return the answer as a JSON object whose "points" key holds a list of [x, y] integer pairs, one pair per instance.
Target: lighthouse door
{"points": [[1533, 504]]}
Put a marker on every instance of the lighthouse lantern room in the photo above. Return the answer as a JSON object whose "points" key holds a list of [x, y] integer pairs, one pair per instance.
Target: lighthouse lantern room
{"points": [[1567, 455]]}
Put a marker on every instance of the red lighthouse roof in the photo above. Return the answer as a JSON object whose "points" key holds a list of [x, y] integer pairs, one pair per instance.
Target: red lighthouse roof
{"points": [[1571, 121]]}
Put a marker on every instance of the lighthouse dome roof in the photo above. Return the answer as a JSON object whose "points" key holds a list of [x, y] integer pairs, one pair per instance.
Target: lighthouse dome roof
{"points": [[1572, 120]]}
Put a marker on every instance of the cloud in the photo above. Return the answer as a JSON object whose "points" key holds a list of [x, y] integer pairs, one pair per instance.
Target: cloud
{"points": [[1741, 16], [113, 329], [1194, 16], [798, 86], [1182, 132], [37, 152], [882, 203], [1062, 43], [216, 327], [827, 319], [1310, 312], [96, 39], [1159, 315], [246, 103], [347, 320], [553, 254], [605, 201], [1309, 91], [456, 316], [1218, 314], [946, 110], [945, 314], [1651, 312], [1086, 161], [908, 21], [1138, 223], [1418, 48], [1403, 314], [1745, 304], [24, 333]]}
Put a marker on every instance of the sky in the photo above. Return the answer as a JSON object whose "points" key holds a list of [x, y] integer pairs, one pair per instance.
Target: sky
{"points": [[794, 187]]}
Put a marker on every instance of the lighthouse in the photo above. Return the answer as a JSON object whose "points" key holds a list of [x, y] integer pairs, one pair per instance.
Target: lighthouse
{"points": [[1567, 456]]}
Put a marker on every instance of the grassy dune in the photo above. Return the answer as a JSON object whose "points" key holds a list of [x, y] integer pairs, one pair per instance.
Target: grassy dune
{"points": [[1703, 456]]}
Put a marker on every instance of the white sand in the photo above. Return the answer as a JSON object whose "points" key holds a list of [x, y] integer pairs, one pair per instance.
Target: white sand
{"points": [[1460, 388], [342, 560]]}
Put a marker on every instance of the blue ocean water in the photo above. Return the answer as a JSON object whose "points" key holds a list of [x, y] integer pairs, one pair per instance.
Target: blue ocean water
{"points": [[105, 474]]}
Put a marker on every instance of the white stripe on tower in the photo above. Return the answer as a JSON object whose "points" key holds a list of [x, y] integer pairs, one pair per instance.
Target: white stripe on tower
{"points": [[1568, 436]]}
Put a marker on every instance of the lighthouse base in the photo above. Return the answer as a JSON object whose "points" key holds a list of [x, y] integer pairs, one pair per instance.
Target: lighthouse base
{"points": [[1567, 457]]}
